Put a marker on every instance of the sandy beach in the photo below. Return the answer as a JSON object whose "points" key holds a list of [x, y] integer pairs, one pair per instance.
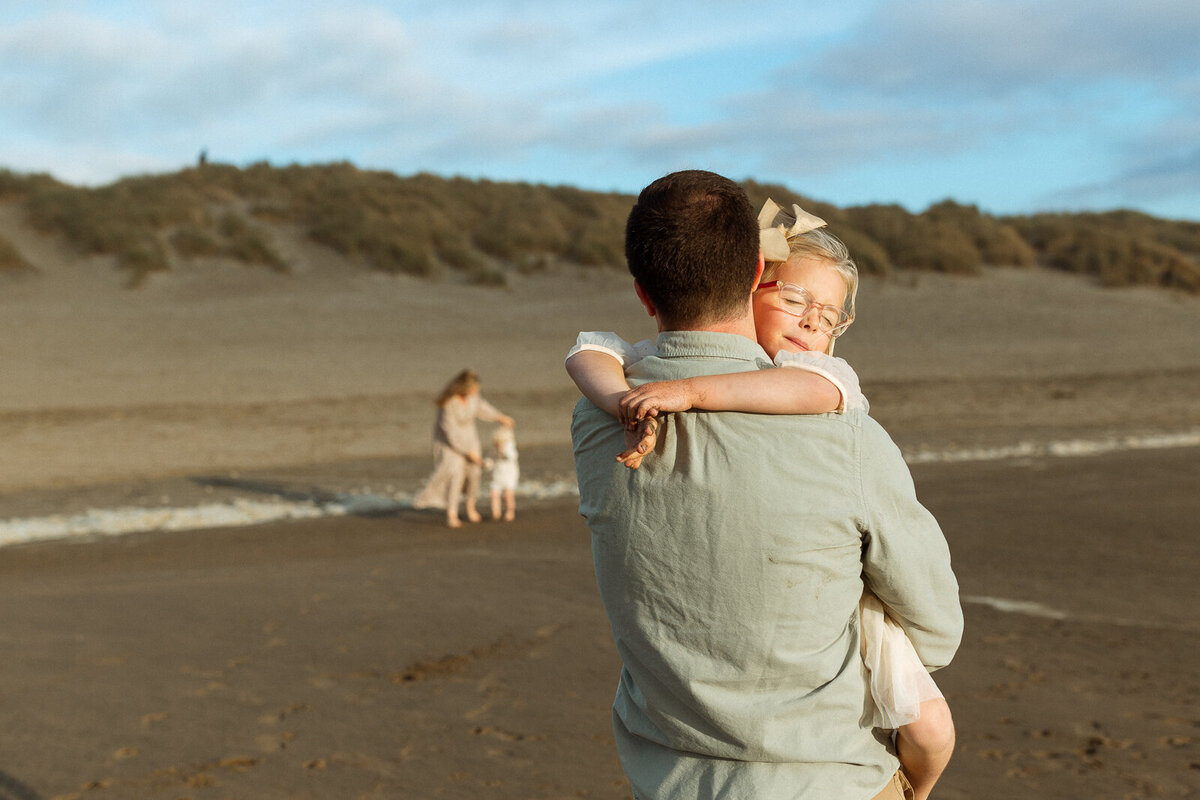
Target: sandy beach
{"points": [[1051, 426], [388, 657]]}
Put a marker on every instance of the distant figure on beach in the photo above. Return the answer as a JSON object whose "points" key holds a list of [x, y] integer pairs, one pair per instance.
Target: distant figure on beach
{"points": [[505, 473], [733, 562], [457, 454], [803, 303]]}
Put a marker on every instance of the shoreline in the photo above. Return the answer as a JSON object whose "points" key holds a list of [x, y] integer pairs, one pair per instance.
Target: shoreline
{"points": [[69, 449], [386, 486], [145, 442]]}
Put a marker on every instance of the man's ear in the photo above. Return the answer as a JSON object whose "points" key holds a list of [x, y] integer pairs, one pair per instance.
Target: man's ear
{"points": [[647, 303], [758, 274]]}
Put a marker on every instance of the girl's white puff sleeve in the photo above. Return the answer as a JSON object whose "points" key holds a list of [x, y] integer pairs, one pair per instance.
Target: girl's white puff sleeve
{"points": [[835, 370], [608, 342]]}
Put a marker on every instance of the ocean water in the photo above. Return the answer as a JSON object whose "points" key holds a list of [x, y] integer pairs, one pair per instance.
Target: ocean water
{"points": [[1066, 448], [117, 521]]}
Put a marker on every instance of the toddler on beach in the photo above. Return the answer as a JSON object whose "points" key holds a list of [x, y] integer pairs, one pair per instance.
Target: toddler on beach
{"points": [[803, 303], [505, 473]]}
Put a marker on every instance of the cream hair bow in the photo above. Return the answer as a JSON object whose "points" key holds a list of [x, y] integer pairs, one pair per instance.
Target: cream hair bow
{"points": [[775, 226]]}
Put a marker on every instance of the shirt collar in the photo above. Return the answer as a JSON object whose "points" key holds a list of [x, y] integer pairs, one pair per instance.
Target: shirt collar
{"points": [[707, 344]]}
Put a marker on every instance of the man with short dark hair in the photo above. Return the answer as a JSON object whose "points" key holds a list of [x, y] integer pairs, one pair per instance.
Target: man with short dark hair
{"points": [[731, 564]]}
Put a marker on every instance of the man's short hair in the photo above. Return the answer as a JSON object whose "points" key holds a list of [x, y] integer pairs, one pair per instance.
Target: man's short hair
{"points": [[691, 242]]}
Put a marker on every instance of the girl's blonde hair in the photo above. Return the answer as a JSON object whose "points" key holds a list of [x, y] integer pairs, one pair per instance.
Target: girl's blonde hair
{"points": [[824, 246], [460, 385]]}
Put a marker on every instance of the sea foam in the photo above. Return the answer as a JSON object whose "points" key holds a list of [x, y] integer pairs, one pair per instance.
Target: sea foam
{"points": [[95, 523]]}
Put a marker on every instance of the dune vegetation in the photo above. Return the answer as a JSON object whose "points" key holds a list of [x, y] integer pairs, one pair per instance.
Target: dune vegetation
{"points": [[428, 226]]}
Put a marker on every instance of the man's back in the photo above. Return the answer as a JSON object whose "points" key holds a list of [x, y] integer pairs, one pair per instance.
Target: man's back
{"points": [[730, 568]]}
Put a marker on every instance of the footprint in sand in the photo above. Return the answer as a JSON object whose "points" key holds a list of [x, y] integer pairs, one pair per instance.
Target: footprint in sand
{"points": [[271, 742], [504, 735], [210, 687], [480, 711], [1176, 741], [202, 779], [87, 787], [280, 716]]}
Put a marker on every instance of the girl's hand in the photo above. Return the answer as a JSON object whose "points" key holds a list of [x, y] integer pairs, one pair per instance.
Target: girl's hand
{"points": [[651, 399], [640, 439]]}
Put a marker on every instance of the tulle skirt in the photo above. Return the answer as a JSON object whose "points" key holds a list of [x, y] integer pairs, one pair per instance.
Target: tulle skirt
{"points": [[899, 681]]}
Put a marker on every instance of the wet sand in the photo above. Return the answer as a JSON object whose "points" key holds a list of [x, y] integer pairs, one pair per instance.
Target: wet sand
{"points": [[390, 657]]}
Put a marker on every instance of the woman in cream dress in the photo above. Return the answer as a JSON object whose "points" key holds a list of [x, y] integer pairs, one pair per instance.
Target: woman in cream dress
{"points": [[457, 453]]}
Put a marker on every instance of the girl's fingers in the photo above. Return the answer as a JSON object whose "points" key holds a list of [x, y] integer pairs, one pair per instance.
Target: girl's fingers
{"points": [[631, 459]]}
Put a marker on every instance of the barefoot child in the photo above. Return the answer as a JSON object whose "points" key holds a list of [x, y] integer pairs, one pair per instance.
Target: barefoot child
{"points": [[505, 473], [803, 302]]}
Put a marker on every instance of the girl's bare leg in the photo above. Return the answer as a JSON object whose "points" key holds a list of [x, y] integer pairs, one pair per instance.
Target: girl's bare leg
{"points": [[925, 746], [495, 504], [510, 504]]}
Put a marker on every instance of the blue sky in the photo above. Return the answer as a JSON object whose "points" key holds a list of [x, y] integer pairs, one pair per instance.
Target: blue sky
{"points": [[1013, 105]]}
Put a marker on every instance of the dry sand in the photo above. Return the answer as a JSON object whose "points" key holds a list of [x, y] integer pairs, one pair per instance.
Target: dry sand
{"points": [[386, 657]]}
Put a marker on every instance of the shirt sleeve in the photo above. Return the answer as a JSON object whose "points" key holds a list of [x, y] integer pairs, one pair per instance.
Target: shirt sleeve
{"points": [[906, 561], [835, 370], [612, 344], [487, 412]]}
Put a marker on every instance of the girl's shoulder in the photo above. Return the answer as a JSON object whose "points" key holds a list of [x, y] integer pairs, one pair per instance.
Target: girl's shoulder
{"points": [[785, 358], [837, 370], [612, 344]]}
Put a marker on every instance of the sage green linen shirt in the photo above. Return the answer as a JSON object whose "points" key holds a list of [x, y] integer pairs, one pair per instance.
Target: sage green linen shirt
{"points": [[731, 566]]}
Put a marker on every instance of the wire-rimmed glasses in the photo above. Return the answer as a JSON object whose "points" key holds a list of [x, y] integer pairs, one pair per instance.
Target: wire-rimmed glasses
{"points": [[799, 302]]}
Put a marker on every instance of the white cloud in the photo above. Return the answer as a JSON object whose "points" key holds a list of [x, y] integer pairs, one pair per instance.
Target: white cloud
{"points": [[1058, 99], [1089, 85], [978, 49]]}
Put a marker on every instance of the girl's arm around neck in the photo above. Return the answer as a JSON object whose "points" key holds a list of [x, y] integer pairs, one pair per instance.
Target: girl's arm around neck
{"points": [[600, 377], [765, 391]]}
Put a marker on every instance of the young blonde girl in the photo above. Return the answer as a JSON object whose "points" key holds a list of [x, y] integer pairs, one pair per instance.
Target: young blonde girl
{"points": [[505, 473], [803, 303]]}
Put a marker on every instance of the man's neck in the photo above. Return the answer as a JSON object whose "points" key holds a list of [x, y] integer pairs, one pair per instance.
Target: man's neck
{"points": [[742, 326]]}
